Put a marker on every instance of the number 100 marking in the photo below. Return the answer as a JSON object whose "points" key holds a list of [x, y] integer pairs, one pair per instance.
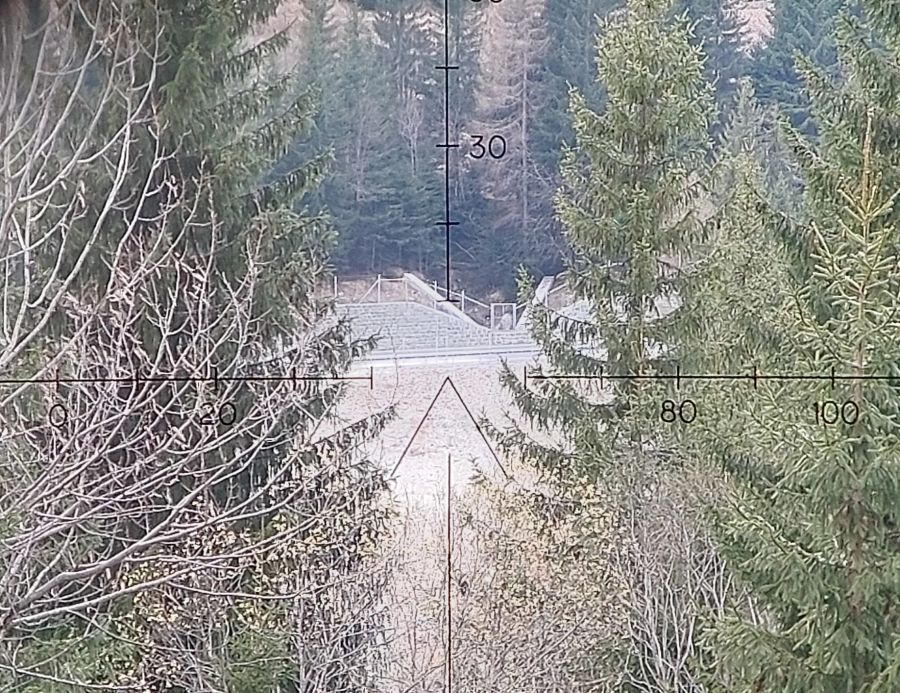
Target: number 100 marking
{"points": [[829, 413]]}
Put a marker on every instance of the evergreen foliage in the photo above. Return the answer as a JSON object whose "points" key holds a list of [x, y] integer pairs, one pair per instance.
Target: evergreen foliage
{"points": [[810, 523], [719, 33], [384, 187], [800, 28], [630, 197], [511, 94], [630, 206], [383, 114], [371, 64], [777, 254], [569, 62]]}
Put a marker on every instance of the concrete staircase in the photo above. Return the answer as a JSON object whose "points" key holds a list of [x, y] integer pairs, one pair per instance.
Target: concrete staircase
{"points": [[408, 327]]}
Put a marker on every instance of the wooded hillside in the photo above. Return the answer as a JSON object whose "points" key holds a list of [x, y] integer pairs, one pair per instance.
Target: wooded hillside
{"points": [[382, 115]]}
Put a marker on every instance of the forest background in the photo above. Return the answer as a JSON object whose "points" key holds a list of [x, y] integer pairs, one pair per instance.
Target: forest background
{"points": [[382, 110]]}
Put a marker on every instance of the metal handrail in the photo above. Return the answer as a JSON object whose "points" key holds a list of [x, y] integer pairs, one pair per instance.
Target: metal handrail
{"points": [[465, 300]]}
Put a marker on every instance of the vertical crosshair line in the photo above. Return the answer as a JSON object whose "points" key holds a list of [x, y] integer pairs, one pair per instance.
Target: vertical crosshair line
{"points": [[447, 222], [449, 568], [447, 139]]}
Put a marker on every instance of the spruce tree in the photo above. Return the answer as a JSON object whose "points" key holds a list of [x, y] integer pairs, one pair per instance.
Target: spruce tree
{"points": [[406, 47], [384, 182], [809, 526], [467, 23], [735, 301], [629, 206], [629, 198]]}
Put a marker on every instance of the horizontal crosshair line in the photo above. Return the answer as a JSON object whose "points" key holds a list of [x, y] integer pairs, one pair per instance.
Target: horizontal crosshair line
{"points": [[446, 67], [182, 379], [718, 376]]}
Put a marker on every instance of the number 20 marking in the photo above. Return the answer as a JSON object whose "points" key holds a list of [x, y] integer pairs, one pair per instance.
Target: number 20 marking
{"points": [[226, 414]]}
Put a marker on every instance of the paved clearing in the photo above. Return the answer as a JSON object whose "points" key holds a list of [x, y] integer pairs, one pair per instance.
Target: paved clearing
{"points": [[416, 597]]}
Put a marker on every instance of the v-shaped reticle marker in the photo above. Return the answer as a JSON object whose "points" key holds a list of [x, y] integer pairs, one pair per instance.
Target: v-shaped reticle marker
{"points": [[449, 382]]}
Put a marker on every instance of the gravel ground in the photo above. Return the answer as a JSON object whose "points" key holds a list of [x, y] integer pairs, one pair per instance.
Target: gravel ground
{"points": [[417, 597], [421, 477]]}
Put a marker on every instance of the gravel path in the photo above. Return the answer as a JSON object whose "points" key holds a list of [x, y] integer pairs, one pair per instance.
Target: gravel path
{"points": [[417, 595], [421, 477]]}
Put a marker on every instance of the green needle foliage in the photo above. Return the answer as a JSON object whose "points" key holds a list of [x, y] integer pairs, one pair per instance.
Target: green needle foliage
{"points": [[717, 27], [811, 523], [802, 28], [628, 207]]}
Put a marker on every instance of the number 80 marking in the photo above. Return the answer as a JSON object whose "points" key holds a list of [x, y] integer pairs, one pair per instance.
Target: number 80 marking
{"points": [[684, 411]]}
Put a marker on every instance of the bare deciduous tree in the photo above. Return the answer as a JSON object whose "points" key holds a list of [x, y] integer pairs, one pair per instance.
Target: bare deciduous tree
{"points": [[677, 581], [172, 512]]}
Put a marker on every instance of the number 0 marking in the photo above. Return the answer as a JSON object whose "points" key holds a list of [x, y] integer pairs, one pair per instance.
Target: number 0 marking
{"points": [[58, 416]]}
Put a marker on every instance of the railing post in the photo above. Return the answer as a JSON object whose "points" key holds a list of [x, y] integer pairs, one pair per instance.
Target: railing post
{"points": [[335, 286], [406, 288], [378, 288], [462, 300], [515, 315]]}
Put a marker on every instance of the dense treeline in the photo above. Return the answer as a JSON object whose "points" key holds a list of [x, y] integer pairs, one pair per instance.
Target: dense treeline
{"points": [[383, 115]]}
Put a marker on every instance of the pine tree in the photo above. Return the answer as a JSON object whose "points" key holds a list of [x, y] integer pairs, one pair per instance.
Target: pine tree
{"points": [[801, 28], [810, 523]]}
